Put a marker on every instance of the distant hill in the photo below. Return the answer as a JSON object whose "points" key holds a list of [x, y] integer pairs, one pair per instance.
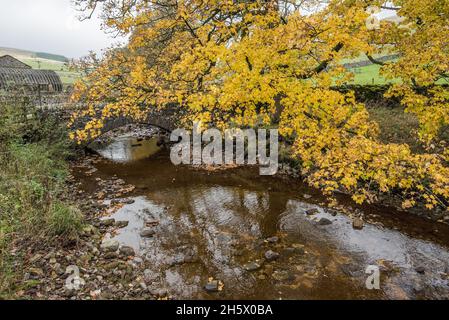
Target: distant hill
{"points": [[26, 54]]}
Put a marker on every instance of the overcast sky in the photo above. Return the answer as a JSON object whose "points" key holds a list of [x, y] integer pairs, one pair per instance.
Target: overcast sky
{"points": [[49, 26]]}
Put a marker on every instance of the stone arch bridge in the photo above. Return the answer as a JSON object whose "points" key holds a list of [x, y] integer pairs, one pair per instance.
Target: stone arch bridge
{"points": [[167, 119]]}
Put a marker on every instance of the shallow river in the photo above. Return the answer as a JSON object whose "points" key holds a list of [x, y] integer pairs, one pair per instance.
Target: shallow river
{"points": [[216, 225]]}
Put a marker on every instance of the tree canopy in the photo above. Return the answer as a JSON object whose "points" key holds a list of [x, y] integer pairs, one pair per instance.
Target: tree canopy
{"points": [[263, 62]]}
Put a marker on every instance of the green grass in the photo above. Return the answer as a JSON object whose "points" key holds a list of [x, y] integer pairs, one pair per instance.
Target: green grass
{"points": [[33, 173], [370, 75], [67, 76]]}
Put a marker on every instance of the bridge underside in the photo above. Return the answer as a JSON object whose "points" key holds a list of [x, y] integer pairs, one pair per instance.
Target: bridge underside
{"points": [[166, 119]]}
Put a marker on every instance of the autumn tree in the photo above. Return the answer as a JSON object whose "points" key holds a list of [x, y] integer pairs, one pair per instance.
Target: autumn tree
{"points": [[252, 63]]}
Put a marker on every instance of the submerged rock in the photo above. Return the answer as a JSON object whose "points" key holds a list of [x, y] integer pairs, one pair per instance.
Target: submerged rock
{"points": [[271, 255], [121, 224], [420, 269], [253, 266], [324, 222], [272, 239], [311, 212], [147, 232], [282, 275]]}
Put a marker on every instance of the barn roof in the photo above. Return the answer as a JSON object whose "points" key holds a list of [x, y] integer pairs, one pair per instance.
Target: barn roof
{"points": [[8, 61], [14, 72]]}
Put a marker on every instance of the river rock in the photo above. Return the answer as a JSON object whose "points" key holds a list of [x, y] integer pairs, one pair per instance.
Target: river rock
{"points": [[299, 248], [324, 222], [109, 245], [420, 269], [147, 232], [121, 224], [272, 239], [271, 255], [151, 223], [127, 251], [107, 222], [357, 224], [307, 196], [129, 201], [253, 266], [282, 275], [311, 212], [138, 260]]}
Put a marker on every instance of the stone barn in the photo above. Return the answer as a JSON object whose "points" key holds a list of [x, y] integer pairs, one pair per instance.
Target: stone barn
{"points": [[16, 74]]}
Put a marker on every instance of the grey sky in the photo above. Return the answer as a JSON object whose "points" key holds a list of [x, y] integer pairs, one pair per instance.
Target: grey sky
{"points": [[49, 26]]}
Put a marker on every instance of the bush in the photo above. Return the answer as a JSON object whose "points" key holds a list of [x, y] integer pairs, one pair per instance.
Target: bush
{"points": [[64, 220]]}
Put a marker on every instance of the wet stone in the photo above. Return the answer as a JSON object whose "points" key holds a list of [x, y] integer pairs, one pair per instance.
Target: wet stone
{"points": [[324, 222], [121, 224], [281, 275], [253, 266], [110, 245], [272, 239], [298, 248], [311, 212], [420, 269], [107, 222], [127, 251], [147, 233], [271, 255], [111, 255], [357, 224]]}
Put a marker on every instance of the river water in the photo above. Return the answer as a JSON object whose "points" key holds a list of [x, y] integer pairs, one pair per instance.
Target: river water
{"points": [[217, 225]]}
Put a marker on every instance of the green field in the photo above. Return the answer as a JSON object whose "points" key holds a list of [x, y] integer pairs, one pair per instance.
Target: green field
{"points": [[67, 77], [370, 75]]}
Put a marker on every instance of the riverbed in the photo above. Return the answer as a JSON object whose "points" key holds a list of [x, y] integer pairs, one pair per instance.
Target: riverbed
{"points": [[232, 234]]}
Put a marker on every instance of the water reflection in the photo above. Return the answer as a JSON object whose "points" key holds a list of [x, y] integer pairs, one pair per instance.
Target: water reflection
{"points": [[127, 149], [213, 224]]}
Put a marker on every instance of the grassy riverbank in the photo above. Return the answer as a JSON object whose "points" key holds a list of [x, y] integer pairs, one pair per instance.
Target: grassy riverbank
{"points": [[33, 173]]}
